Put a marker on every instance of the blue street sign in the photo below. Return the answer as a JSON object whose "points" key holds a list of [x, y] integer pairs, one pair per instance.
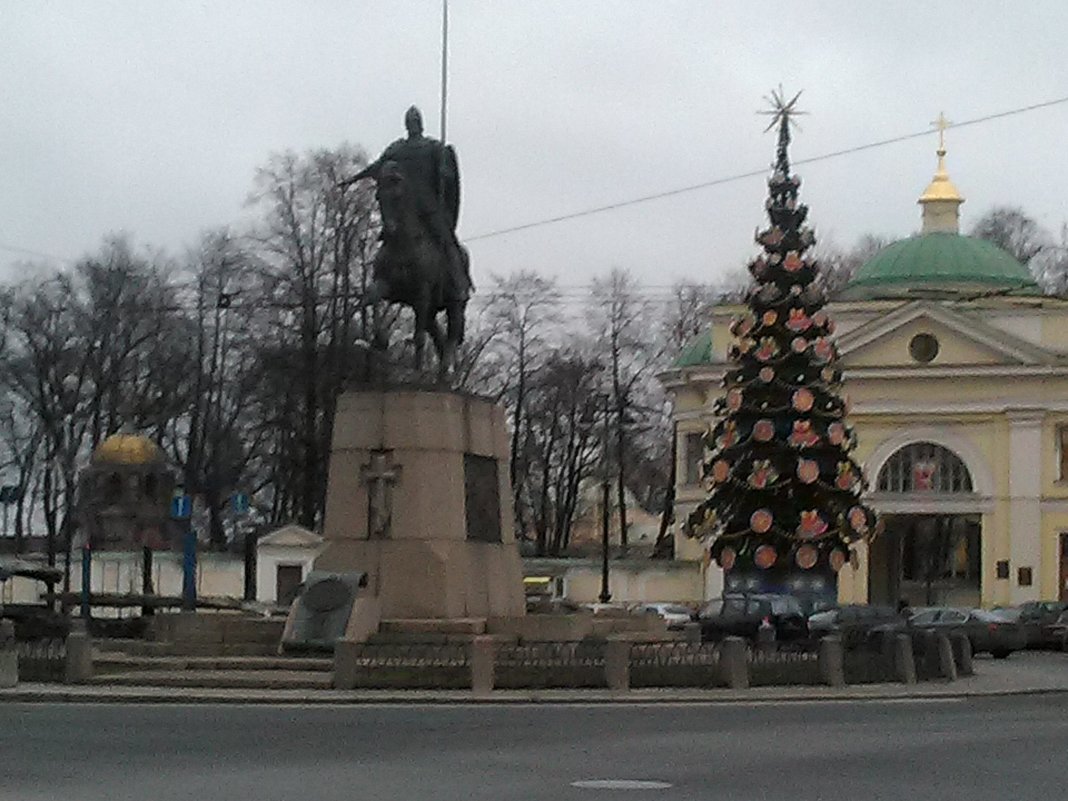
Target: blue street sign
{"points": [[239, 502], [181, 507]]}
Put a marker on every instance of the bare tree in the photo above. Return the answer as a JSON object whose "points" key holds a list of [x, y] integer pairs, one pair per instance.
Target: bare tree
{"points": [[523, 308], [622, 323], [1014, 231]]}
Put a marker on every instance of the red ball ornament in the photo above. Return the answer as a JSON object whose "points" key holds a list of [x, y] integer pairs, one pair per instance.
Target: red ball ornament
{"points": [[823, 349], [819, 318], [727, 558], [734, 400], [763, 430], [836, 433], [760, 521], [798, 321], [764, 557], [793, 262], [811, 525], [806, 557], [803, 400], [798, 345], [837, 559], [769, 318], [721, 471], [807, 470], [858, 520], [766, 374]]}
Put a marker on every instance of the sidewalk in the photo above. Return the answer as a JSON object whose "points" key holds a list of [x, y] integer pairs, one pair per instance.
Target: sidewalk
{"points": [[1023, 674]]}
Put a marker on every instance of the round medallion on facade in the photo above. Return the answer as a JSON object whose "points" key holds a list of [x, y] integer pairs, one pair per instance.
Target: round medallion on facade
{"points": [[924, 348]]}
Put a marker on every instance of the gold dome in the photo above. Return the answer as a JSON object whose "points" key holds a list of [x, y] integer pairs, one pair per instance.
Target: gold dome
{"points": [[127, 449]]}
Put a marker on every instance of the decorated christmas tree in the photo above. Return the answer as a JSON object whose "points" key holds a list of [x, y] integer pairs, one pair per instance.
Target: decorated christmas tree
{"points": [[784, 494]]}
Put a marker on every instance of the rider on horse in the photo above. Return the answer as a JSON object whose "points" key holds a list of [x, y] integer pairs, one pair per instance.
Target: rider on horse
{"points": [[431, 175]]}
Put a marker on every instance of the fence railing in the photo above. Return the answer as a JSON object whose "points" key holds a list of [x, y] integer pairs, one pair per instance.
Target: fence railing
{"points": [[42, 660]]}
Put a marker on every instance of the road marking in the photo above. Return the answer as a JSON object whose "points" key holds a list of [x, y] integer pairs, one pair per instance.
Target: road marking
{"points": [[620, 784]]}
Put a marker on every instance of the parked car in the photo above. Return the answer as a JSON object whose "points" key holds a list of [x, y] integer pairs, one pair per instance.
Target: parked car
{"points": [[675, 615], [742, 616], [855, 623], [1057, 631], [987, 631], [1035, 618]]}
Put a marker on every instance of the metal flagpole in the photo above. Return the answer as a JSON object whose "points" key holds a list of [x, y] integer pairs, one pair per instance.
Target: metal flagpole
{"points": [[444, 63]]}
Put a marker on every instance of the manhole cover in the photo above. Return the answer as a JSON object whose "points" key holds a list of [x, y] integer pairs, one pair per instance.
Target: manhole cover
{"points": [[327, 595], [620, 784]]}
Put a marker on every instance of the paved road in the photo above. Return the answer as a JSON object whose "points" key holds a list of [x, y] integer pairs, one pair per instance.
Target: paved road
{"points": [[978, 750]]}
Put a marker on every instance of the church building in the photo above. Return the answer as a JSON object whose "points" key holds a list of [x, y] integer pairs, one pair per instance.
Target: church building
{"points": [[956, 367]]}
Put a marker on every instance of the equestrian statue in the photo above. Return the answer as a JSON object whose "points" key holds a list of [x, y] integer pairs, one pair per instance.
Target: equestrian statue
{"points": [[420, 263]]}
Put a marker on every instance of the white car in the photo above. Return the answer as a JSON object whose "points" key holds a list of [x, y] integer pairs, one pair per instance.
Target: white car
{"points": [[675, 615]]}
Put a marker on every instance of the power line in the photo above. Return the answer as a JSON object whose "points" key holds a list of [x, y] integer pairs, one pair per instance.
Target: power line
{"points": [[757, 173]]}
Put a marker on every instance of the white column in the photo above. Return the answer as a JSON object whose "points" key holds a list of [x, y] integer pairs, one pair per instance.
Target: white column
{"points": [[1025, 495]]}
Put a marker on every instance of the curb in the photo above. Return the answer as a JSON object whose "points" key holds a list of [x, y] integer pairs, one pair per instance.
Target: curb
{"points": [[153, 696]]}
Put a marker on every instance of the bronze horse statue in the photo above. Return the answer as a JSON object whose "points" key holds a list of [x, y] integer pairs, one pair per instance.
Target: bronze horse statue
{"points": [[411, 268]]}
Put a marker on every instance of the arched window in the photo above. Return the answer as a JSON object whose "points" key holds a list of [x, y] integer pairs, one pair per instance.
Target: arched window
{"points": [[924, 467]]}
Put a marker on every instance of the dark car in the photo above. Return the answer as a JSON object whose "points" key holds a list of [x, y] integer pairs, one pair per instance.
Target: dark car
{"points": [[1036, 619], [744, 615], [1057, 632], [855, 623], [988, 632]]}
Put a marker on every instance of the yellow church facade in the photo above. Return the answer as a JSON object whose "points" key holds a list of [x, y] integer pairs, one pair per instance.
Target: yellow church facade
{"points": [[956, 370]]}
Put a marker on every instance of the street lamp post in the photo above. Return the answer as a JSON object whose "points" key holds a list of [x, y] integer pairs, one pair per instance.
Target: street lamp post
{"points": [[605, 596]]}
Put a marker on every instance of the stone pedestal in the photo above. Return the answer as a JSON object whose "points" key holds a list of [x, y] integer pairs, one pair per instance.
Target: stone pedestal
{"points": [[418, 497]]}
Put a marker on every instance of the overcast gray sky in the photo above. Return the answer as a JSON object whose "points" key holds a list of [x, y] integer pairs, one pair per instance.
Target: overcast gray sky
{"points": [[151, 117]]}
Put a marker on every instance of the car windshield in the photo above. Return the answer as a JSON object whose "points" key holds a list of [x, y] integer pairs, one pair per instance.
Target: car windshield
{"points": [[674, 609], [1008, 615]]}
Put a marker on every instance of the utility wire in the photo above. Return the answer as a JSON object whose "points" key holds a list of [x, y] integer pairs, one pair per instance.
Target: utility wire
{"points": [[756, 173], [693, 187]]}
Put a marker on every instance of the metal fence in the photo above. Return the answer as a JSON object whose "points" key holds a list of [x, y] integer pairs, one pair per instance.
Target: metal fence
{"points": [[42, 660], [867, 664], [543, 665], [675, 664], [779, 667], [412, 665]]}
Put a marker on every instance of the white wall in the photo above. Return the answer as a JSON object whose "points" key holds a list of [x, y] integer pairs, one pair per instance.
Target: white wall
{"points": [[269, 557]]}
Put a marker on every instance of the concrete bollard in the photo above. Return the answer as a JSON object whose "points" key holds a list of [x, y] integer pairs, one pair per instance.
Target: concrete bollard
{"points": [[733, 663], [962, 654], [691, 633], [904, 663], [617, 663], [831, 662], [947, 668], [9, 655], [78, 667], [483, 659]]}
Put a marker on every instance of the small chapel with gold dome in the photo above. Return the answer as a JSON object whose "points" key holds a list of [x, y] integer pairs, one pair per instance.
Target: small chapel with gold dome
{"points": [[956, 366]]}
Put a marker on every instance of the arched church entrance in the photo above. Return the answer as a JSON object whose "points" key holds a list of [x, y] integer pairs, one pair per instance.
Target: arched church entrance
{"points": [[929, 552]]}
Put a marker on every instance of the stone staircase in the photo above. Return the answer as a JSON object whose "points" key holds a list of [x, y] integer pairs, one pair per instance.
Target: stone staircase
{"points": [[116, 667]]}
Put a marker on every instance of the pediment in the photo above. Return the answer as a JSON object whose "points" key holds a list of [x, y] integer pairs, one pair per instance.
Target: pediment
{"points": [[963, 341], [292, 536]]}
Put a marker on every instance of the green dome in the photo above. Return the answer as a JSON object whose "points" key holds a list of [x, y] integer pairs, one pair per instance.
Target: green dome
{"points": [[698, 351], [938, 261]]}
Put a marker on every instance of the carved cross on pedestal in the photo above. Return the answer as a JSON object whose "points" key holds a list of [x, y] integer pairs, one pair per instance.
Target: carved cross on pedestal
{"points": [[379, 476]]}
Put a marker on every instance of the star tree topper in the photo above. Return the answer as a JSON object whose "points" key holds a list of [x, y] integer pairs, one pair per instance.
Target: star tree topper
{"points": [[783, 114]]}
